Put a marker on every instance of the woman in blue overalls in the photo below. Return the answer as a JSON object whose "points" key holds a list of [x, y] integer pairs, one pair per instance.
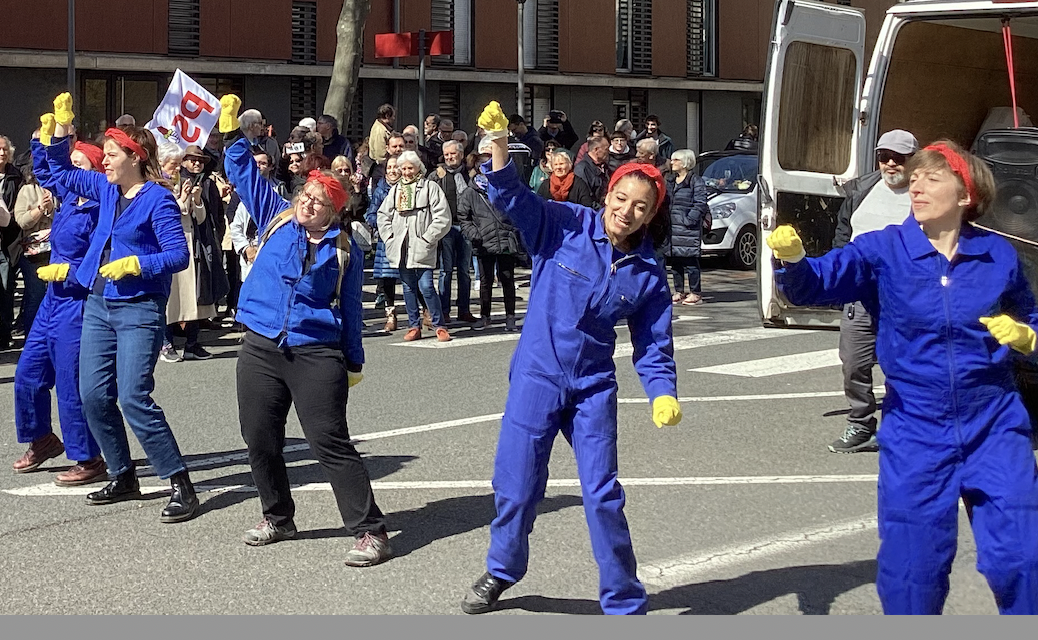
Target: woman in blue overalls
{"points": [[590, 270], [50, 358], [954, 312], [136, 247]]}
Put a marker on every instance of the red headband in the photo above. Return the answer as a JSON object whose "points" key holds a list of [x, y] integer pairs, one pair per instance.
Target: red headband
{"points": [[93, 153], [119, 136], [959, 167], [652, 172], [332, 187]]}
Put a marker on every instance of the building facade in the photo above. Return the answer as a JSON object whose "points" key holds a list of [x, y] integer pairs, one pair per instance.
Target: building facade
{"points": [[697, 64]]}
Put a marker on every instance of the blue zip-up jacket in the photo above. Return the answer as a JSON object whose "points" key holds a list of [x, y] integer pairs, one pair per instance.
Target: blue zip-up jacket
{"points": [[278, 300], [72, 227], [149, 228], [377, 196], [581, 287], [929, 338]]}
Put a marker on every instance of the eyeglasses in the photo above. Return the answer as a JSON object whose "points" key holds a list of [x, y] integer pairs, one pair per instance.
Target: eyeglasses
{"points": [[311, 199], [884, 156]]}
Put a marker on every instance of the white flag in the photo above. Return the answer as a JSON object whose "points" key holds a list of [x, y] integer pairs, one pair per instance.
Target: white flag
{"points": [[186, 115]]}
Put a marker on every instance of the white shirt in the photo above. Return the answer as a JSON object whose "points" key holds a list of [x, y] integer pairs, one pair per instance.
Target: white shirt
{"points": [[881, 207]]}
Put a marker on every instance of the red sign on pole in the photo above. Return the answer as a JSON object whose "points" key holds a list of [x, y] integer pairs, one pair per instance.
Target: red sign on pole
{"points": [[402, 45]]}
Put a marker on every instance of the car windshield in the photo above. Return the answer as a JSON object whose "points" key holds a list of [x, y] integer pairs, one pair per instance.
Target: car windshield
{"points": [[734, 174]]}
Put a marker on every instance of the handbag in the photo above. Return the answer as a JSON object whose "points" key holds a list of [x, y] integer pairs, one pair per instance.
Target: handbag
{"points": [[36, 246]]}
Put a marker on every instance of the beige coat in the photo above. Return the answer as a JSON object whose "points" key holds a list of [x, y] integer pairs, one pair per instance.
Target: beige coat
{"points": [[377, 139], [28, 217], [183, 299], [424, 226]]}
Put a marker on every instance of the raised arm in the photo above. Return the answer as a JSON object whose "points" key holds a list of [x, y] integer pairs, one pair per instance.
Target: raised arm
{"points": [[257, 194], [843, 275], [86, 184]]}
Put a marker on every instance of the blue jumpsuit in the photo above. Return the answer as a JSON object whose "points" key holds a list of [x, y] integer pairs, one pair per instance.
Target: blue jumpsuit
{"points": [[563, 378], [51, 354], [953, 423]]}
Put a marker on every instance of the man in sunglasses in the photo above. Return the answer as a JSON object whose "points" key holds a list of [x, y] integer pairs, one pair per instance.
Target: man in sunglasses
{"points": [[874, 200]]}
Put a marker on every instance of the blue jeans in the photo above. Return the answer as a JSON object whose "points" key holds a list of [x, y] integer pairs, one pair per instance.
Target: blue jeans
{"points": [[682, 267], [455, 253], [35, 289], [415, 279], [120, 344]]}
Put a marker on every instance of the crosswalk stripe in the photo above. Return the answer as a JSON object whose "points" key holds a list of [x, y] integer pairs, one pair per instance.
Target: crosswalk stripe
{"points": [[729, 336], [763, 367]]}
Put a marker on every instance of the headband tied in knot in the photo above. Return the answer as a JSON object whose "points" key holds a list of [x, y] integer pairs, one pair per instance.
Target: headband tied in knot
{"points": [[959, 167], [336, 193], [649, 170], [127, 142], [93, 153]]}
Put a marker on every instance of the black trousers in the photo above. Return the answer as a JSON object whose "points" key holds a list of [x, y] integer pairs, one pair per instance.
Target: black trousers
{"points": [[270, 380], [505, 275], [233, 279]]}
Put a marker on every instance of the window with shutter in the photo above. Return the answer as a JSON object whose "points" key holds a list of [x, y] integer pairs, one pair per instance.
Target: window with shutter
{"points": [[304, 98], [354, 129], [304, 32], [541, 35], [634, 36], [450, 102], [183, 20], [456, 16]]}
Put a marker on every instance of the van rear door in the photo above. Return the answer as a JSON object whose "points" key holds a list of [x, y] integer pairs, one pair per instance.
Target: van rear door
{"points": [[809, 137]]}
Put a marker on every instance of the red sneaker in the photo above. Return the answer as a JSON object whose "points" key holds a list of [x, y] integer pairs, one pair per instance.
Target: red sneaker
{"points": [[442, 335], [414, 333]]}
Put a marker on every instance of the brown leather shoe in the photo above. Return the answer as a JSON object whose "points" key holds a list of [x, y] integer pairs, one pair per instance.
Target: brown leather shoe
{"points": [[427, 319], [414, 333], [467, 317], [40, 451], [443, 335], [87, 472], [390, 320]]}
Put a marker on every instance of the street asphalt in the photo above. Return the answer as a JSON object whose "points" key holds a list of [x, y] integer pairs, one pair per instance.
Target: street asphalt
{"points": [[739, 509]]}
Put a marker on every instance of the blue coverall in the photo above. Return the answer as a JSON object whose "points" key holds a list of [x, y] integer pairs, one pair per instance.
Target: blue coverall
{"points": [[50, 357], [953, 423], [563, 378]]}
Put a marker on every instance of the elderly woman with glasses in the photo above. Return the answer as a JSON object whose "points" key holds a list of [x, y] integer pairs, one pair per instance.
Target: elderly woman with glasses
{"points": [[563, 185], [301, 308]]}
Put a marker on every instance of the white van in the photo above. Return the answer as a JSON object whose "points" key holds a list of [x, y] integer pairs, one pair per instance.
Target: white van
{"points": [[938, 69]]}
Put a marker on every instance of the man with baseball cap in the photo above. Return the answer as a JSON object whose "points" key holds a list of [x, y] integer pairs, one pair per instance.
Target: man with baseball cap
{"points": [[874, 200]]}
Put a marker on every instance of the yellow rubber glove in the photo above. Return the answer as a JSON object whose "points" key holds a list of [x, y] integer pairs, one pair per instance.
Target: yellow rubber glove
{"points": [[56, 272], [786, 244], [666, 411], [354, 378], [493, 121], [63, 109], [119, 269], [1017, 335], [46, 128], [229, 105]]}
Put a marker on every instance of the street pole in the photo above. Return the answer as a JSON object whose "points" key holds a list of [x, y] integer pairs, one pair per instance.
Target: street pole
{"points": [[521, 99], [421, 84], [72, 47]]}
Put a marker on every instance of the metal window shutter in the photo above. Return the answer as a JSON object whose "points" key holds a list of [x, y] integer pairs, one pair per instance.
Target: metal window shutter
{"points": [[694, 37], [304, 98], [641, 36], [442, 14], [548, 35], [354, 129], [183, 21], [304, 32], [623, 35], [450, 103]]}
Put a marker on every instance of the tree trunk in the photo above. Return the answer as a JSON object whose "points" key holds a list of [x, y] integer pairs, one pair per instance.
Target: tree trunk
{"points": [[349, 52]]}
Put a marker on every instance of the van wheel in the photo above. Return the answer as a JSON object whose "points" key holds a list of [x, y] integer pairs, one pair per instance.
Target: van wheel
{"points": [[744, 253]]}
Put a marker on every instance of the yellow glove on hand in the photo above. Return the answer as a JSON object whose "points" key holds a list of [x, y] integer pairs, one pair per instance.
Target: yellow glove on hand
{"points": [[786, 244], [666, 411], [63, 109], [354, 378], [493, 121], [229, 105], [56, 272], [1017, 335], [46, 128], [119, 269]]}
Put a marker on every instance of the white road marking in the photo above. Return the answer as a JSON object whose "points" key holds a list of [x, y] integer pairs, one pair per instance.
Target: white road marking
{"points": [[761, 396], [763, 367], [498, 337], [49, 489], [683, 343], [686, 569]]}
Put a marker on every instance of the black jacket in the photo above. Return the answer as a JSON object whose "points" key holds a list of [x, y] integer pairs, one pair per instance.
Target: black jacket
{"points": [[567, 137], [688, 205], [13, 181], [856, 191], [444, 178], [596, 179], [579, 193], [489, 230], [617, 159], [337, 145]]}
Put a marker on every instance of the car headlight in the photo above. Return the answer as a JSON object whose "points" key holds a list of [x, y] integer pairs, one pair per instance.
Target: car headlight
{"points": [[722, 211]]}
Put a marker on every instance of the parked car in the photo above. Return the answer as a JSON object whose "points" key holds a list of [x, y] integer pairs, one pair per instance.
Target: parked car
{"points": [[731, 182]]}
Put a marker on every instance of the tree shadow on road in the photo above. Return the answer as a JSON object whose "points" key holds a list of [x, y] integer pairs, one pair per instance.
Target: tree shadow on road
{"points": [[815, 586]]}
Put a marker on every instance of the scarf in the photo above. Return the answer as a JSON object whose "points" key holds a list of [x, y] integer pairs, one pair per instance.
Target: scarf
{"points": [[405, 194], [560, 187]]}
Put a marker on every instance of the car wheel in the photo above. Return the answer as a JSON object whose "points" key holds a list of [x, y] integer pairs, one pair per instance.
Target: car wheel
{"points": [[744, 253]]}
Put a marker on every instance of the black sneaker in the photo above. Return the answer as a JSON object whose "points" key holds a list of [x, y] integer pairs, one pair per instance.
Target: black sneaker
{"points": [[196, 352], [856, 439], [483, 595]]}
